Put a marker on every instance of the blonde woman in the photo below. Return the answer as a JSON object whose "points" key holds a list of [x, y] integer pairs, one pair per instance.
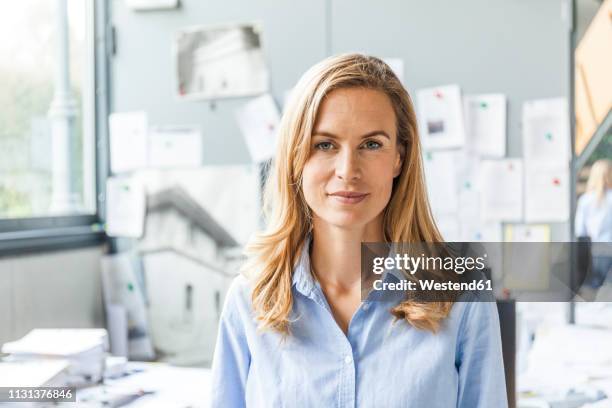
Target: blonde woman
{"points": [[294, 331], [594, 217]]}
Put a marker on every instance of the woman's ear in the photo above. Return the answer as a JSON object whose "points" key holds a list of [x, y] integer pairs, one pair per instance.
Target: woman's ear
{"points": [[400, 154]]}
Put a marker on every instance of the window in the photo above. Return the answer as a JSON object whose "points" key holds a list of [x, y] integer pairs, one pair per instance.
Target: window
{"points": [[48, 170], [47, 165]]}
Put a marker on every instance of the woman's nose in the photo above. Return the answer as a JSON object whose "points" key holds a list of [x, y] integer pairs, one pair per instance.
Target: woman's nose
{"points": [[347, 165]]}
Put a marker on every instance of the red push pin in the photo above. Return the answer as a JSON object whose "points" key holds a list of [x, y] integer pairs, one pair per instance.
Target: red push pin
{"points": [[556, 182], [510, 166], [438, 94]]}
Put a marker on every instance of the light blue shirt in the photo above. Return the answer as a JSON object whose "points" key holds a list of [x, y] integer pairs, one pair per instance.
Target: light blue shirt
{"points": [[594, 219], [379, 363]]}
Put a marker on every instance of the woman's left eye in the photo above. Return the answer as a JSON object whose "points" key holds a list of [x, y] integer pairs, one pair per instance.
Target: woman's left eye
{"points": [[372, 144]]}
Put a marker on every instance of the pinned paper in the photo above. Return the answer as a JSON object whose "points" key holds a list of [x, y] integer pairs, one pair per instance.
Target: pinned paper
{"points": [[527, 267], [546, 130], [472, 227], [173, 147], [547, 192], [258, 120], [485, 124], [448, 225], [126, 207], [473, 230], [128, 141], [502, 190], [440, 113], [468, 172], [441, 179], [527, 233]]}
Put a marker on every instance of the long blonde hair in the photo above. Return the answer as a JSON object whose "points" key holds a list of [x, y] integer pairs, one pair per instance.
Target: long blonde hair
{"points": [[600, 179], [272, 254]]}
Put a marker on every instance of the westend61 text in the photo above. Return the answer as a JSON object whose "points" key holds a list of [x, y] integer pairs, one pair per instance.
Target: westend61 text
{"points": [[429, 284]]}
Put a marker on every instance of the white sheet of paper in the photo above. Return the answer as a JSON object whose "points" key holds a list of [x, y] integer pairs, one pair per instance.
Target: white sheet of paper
{"points": [[58, 342], [468, 171], [177, 146], [125, 206], [152, 4], [448, 225], [547, 192], [258, 121], [546, 133], [527, 233], [235, 206], [527, 267], [474, 230], [440, 112], [441, 178], [397, 66], [469, 203], [485, 124], [32, 373], [502, 190], [128, 141]]}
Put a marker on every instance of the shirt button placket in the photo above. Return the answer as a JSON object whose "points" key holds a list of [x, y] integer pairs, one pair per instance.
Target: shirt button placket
{"points": [[348, 374]]}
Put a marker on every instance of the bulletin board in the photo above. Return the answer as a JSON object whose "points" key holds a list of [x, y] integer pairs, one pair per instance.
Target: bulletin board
{"points": [[520, 48]]}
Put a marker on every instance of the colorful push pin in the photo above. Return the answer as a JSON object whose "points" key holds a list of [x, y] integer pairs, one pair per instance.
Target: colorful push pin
{"points": [[556, 182], [510, 166], [468, 185], [130, 287], [438, 94], [484, 105], [548, 136], [428, 156], [478, 236]]}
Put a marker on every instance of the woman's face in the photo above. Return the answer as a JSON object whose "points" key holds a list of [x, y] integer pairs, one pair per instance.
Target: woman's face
{"points": [[354, 157]]}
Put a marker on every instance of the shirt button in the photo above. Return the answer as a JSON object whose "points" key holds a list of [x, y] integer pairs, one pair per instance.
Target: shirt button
{"points": [[348, 359]]}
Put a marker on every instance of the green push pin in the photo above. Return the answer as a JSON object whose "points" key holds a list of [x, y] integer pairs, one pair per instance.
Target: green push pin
{"points": [[484, 105], [130, 287], [548, 136], [428, 155], [468, 185]]}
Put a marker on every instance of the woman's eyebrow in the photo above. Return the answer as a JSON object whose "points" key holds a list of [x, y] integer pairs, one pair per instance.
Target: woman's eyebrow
{"points": [[372, 133]]}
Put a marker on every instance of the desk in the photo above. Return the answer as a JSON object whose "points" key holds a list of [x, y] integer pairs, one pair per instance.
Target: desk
{"points": [[173, 387]]}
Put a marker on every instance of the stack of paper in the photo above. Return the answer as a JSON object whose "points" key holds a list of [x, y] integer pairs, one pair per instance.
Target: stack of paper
{"points": [[553, 370], [33, 373], [82, 349]]}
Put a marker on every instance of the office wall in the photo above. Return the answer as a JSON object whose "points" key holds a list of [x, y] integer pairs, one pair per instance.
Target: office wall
{"points": [[516, 47], [55, 289], [143, 77]]}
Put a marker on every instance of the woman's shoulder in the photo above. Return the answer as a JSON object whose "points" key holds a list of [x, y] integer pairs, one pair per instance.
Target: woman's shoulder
{"points": [[238, 296], [476, 310]]}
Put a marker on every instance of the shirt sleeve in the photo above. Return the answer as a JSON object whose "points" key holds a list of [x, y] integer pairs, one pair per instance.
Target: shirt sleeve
{"points": [[231, 358], [479, 358], [580, 229]]}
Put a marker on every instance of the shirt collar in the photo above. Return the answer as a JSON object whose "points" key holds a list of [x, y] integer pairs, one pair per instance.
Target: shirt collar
{"points": [[304, 281], [302, 277]]}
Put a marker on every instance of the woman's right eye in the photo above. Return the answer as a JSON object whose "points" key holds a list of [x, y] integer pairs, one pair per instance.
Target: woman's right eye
{"points": [[324, 146]]}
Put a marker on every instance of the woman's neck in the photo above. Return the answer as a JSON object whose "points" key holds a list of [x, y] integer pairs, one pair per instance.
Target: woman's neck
{"points": [[335, 253]]}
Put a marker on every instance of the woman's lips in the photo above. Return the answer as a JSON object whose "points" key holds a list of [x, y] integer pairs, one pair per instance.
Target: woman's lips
{"points": [[348, 199]]}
